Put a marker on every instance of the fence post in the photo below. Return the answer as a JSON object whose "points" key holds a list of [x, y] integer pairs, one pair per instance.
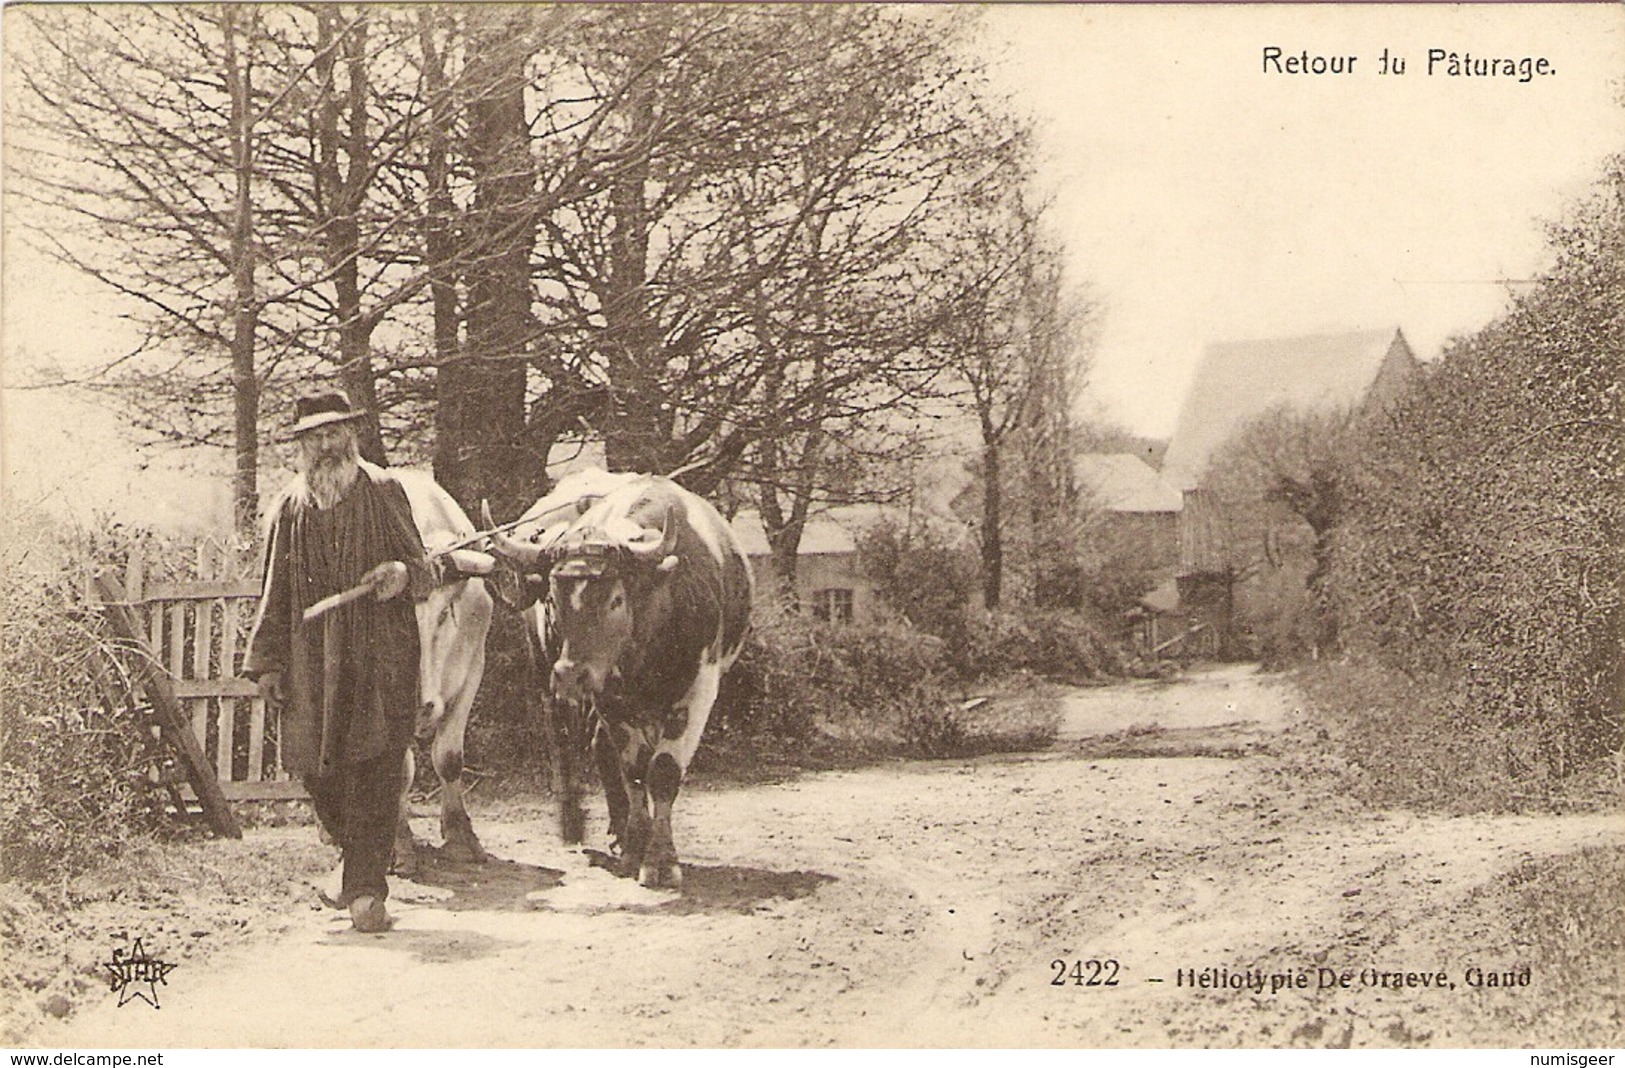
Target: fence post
{"points": [[135, 569]]}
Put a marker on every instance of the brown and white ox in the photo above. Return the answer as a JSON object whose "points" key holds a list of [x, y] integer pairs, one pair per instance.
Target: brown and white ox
{"points": [[452, 625], [641, 601]]}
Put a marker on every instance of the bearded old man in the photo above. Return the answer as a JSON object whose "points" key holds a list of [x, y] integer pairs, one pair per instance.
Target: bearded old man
{"points": [[335, 643]]}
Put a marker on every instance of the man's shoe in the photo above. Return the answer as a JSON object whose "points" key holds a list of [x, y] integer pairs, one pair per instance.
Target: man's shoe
{"points": [[368, 915]]}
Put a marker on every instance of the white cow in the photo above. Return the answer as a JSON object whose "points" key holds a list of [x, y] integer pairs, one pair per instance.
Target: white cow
{"points": [[452, 625]]}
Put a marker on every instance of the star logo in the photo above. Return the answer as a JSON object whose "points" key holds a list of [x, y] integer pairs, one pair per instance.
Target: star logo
{"points": [[133, 968]]}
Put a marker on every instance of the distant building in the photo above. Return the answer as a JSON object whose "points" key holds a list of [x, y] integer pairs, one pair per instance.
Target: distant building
{"points": [[1137, 509], [1236, 383], [830, 581]]}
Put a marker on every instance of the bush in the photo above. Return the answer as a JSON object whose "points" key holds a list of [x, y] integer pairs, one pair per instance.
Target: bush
{"points": [[1279, 613], [1418, 741], [798, 676], [813, 694], [1055, 644], [1483, 545], [933, 732], [70, 771], [918, 575]]}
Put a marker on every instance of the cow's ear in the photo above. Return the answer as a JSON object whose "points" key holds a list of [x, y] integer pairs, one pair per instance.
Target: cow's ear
{"points": [[511, 588], [667, 566]]}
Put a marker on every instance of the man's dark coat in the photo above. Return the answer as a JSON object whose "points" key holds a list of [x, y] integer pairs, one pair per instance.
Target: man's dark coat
{"points": [[350, 671]]}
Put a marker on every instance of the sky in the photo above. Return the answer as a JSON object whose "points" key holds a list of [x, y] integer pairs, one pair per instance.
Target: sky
{"points": [[1198, 197], [1203, 200]]}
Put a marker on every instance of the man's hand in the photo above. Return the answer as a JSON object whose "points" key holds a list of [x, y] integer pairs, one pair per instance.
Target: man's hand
{"points": [[273, 691], [388, 579]]}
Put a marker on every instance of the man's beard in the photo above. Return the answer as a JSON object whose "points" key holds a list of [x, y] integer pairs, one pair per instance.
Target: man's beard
{"points": [[329, 474]]}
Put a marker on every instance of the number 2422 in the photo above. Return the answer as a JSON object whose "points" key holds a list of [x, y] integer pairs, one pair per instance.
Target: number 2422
{"points": [[1084, 972]]}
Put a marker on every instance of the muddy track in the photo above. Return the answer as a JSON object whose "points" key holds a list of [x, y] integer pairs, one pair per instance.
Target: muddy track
{"points": [[921, 904]]}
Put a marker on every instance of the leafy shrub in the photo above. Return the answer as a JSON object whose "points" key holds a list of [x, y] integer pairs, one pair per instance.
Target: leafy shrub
{"points": [[798, 675], [70, 791], [919, 575], [1277, 609], [933, 731], [1418, 741], [1483, 544], [811, 694], [1062, 645]]}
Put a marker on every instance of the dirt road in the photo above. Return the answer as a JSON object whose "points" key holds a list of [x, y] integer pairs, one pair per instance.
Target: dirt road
{"points": [[930, 904]]}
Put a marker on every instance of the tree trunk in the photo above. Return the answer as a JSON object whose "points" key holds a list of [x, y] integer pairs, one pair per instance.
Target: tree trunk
{"points": [[802, 481], [783, 540], [482, 448], [785, 543], [341, 193], [638, 437], [245, 310], [992, 543], [439, 240]]}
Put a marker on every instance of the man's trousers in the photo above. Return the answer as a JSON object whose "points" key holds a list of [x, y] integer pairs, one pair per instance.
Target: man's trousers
{"points": [[358, 805]]}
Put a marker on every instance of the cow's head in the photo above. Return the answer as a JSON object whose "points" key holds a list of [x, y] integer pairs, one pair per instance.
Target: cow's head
{"points": [[439, 626], [599, 579]]}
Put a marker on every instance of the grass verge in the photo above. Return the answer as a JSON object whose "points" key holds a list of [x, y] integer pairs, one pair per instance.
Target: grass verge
{"points": [[1393, 741]]}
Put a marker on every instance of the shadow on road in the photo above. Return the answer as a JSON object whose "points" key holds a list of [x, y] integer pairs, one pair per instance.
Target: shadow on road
{"points": [[1222, 740], [513, 886], [495, 886], [706, 889], [726, 888], [428, 947]]}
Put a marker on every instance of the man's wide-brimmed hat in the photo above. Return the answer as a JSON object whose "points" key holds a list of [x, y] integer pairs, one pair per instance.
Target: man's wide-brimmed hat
{"points": [[321, 408]]}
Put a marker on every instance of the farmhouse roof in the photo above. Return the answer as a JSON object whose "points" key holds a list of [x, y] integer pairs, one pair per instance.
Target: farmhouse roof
{"points": [[1240, 380], [835, 529], [821, 535], [1122, 482]]}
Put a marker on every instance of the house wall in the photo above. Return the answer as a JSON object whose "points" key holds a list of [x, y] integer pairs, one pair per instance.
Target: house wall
{"points": [[1203, 546], [816, 572], [1150, 540]]}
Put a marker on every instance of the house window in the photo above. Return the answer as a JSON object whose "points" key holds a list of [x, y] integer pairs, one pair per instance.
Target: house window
{"points": [[833, 604]]}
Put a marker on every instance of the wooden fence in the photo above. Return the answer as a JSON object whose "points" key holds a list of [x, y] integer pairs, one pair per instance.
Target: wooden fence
{"points": [[196, 629]]}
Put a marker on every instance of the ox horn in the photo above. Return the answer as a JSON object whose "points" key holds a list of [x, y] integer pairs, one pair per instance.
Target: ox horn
{"points": [[661, 552], [528, 557]]}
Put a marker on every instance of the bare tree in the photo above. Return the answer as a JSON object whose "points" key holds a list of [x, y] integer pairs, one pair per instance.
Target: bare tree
{"points": [[484, 387], [239, 77], [1049, 526], [705, 235], [1007, 342], [145, 132], [765, 174], [842, 324], [1283, 482]]}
